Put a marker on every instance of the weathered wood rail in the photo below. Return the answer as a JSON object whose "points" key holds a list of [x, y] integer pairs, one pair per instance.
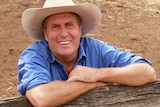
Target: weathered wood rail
{"points": [[112, 96]]}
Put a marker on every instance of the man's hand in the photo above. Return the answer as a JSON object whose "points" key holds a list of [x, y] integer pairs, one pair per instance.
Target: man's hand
{"points": [[84, 74]]}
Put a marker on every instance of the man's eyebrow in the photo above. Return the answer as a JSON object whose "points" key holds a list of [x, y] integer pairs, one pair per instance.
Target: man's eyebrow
{"points": [[57, 24], [54, 24], [70, 22]]}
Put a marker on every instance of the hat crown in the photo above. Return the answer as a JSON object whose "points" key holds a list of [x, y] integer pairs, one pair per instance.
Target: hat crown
{"points": [[57, 3]]}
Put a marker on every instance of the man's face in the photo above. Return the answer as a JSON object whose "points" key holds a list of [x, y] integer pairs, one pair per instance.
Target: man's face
{"points": [[62, 32]]}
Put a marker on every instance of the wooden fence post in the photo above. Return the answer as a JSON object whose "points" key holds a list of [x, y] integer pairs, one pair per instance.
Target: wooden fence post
{"points": [[113, 96]]}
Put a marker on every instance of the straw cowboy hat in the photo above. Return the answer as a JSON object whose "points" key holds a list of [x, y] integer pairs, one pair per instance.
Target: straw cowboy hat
{"points": [[32, 18]]}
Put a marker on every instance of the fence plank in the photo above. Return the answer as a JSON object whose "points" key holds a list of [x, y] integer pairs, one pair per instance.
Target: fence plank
{"points": [[112, 96]]}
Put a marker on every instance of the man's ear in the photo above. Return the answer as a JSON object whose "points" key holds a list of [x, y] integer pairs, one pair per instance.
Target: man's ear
{"points": [[45, 34], [80, 27]]}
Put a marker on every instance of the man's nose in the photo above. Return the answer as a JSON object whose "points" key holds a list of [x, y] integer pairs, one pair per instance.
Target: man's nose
{"points": [[64, 32]]}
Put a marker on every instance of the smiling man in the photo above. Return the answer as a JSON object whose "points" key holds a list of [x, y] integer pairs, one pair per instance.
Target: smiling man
{"points": [[64, 64], [63, 32]]}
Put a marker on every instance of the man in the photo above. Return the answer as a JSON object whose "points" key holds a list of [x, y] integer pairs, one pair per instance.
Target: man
{"points": [[64, 64]]}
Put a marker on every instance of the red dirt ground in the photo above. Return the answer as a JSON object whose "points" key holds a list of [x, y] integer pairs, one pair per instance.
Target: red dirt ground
{"points": [[134, 26]]}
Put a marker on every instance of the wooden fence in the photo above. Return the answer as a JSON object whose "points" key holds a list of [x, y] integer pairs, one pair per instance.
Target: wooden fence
{"points": [[112, 96]]}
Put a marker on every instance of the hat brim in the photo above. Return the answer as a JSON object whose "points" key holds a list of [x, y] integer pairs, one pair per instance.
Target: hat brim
{"points": [[32, 18]]}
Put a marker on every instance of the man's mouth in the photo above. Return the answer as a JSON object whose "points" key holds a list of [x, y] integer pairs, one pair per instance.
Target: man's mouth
{"points": [[65, 42]]}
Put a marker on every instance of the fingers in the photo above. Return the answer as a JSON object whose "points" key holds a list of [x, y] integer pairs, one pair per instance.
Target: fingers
{"points": [[84, 74], [81, 78], [97, 84], [77, 78], [71, 79], [102, 84]]}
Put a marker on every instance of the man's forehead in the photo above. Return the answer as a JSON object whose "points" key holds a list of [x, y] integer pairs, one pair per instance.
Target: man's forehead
{"points": [[62, 15], [66, 17]]}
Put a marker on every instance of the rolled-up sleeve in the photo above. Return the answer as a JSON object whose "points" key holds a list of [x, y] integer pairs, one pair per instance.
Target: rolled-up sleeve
{"points": [[114, 57], [32, 70]]}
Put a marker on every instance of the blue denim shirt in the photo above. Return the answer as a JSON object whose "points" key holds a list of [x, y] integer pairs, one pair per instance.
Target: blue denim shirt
{"points": [[38, 65]]}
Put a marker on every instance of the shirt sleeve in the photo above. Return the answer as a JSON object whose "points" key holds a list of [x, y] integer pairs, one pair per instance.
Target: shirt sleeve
{"points": [[113, 57], [32, 70]]}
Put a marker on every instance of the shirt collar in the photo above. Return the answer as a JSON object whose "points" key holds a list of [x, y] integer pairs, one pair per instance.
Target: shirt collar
{"points": [[81, 53]]}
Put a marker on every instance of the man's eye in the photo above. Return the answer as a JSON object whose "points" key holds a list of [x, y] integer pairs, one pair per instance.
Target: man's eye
{"points": [[55, 27], [70, 25]]}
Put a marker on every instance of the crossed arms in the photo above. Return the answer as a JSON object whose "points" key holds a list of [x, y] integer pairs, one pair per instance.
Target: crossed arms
{"points": [[83, 79]]}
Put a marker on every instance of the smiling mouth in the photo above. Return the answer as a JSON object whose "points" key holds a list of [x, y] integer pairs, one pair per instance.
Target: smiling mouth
{"points": [[65, 43]]}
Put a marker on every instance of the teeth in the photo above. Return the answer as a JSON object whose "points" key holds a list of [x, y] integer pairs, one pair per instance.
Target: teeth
{"points": [[64, 43]]}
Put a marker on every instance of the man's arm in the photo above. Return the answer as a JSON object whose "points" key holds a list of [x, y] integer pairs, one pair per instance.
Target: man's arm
{"points": [[131, 75], [58, 92]]}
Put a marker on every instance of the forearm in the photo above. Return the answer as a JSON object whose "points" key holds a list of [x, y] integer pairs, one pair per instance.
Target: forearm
{"points": [[132, 75], [57, 92]]}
